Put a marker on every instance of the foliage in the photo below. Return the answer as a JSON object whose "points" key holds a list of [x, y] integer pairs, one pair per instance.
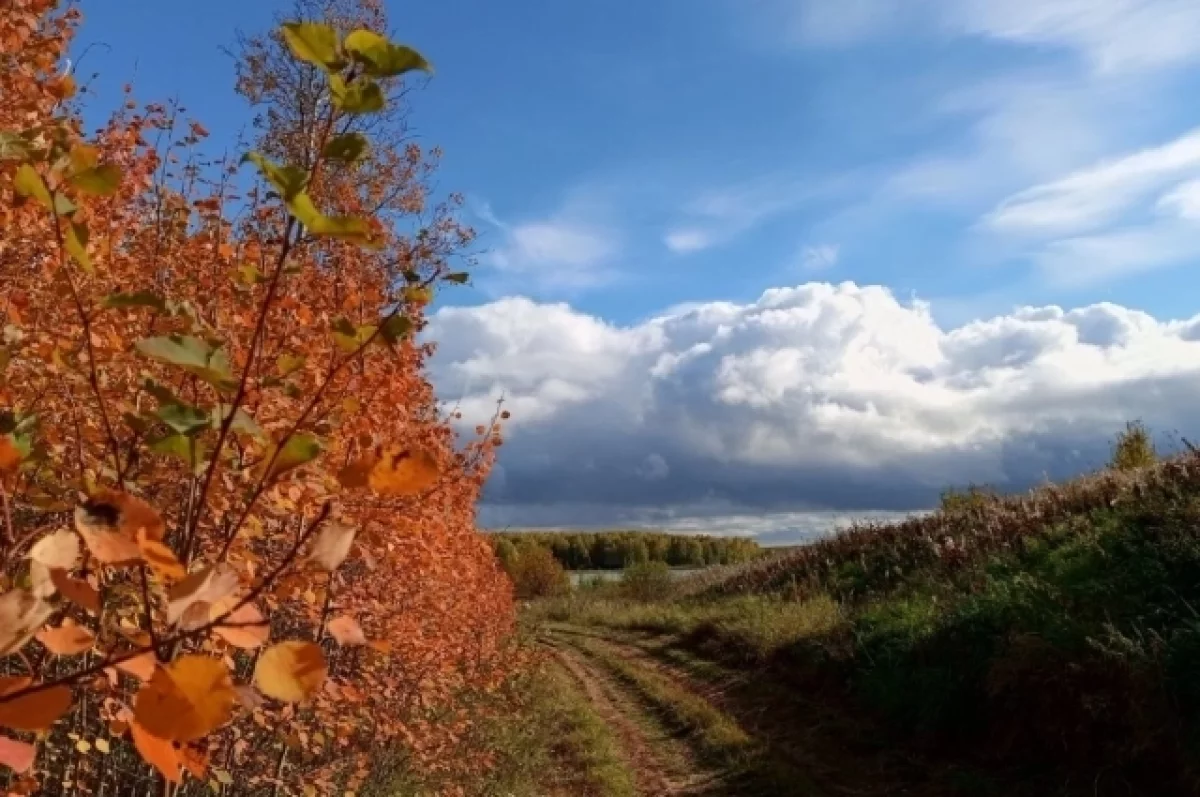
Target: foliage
{"points": [[614, 550], [273, 568], [1134, 448], [646, 581], [535, 573]]}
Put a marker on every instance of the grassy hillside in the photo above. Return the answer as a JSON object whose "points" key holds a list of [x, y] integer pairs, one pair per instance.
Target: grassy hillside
{"points": [[1040, 644]]}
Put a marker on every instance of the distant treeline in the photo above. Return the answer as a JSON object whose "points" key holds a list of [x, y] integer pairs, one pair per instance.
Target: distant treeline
{"points": [[613, 550]]}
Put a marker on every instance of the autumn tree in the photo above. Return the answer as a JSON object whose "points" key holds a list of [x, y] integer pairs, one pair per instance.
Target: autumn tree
{"points": [[229, 502]]}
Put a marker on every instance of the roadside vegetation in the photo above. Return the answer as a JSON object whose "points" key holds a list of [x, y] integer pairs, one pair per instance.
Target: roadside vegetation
{"points": [[1038, 644]]}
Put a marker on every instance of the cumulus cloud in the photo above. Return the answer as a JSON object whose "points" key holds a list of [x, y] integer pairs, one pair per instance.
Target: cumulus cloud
{"points": [[816, 397]]}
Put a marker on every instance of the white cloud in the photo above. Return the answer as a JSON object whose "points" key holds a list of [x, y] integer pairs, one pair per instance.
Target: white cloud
{"points": [[1112, 35], [719, 215], [1108, 35], [1100, 194], [819, 258], [835, 396], [571, 249], [686, 240]]}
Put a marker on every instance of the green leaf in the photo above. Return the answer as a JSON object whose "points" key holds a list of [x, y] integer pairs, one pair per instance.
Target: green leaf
{"points": [[76, 240], [192, 354], [28, 183], [349, 337], [289, 364], [183, 418], [298, 450], [459, 277], [136, 299], [395, 328], [188, 449], [63, 206], [346, 148], [163, 394], [360, 96], [101, 180], [314, 43], [14, 147], [288, 180], [250, 275], [380, 57], [350, 228], [243, 423]]}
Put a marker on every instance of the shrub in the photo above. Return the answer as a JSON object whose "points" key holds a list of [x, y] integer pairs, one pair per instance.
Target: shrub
{"points": [[1134, 448], [537, 574], [646, 581]]}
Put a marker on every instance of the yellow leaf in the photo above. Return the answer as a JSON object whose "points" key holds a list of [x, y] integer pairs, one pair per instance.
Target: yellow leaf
{"points": [[29, 183], [403, 471], [102, 746], [290, 671], [187, 699], [36, 711]]}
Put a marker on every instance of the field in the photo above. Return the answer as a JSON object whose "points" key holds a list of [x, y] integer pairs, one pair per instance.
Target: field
{"points": [[1042, 644]]}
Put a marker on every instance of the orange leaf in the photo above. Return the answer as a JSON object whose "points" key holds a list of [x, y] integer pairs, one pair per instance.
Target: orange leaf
{"points": [[332, 546], [21, 615], [57, 551], [66, 640], [187, 699], [404, 471], [246, 628], [196, 761], [36, 711], [158, 753], [10, 457], [141, 666], [17, 756], [346, 631], [160, 558], [76, 590], [290, 671], [208, 586], [357, 473], [109, 522], [111, 547]]}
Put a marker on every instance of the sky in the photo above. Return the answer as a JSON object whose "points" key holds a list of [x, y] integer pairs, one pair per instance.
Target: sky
{"points": [[757, 266]]}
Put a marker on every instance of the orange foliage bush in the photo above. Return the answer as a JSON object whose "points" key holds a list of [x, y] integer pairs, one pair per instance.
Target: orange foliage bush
{"points": [[237, 533]]}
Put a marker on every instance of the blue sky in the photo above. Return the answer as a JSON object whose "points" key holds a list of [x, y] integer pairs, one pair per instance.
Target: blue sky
{"points": [[789, 229], [692, 150]]}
